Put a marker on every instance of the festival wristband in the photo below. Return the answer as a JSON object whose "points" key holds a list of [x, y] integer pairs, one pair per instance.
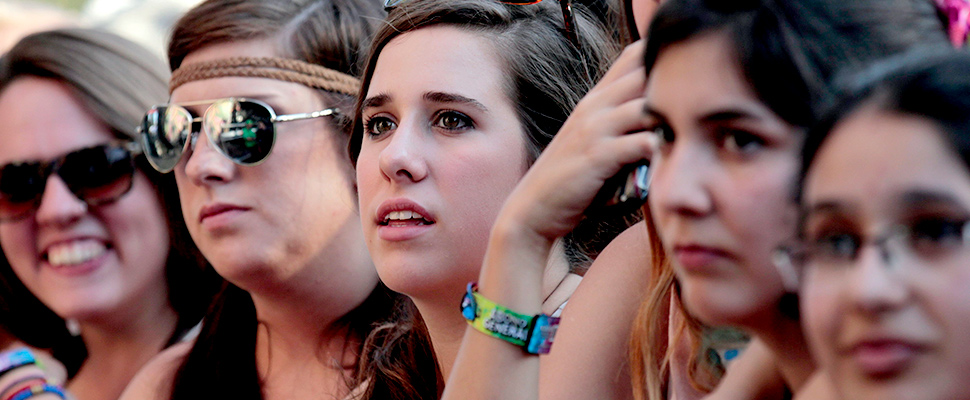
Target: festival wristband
{"points": [[35, 390], [13, 359], [533, 333]]}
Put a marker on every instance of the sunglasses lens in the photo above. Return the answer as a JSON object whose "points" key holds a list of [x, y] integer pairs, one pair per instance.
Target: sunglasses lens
{"points": [[98, 174], [242, 130], [21, 186], [164, 131]]}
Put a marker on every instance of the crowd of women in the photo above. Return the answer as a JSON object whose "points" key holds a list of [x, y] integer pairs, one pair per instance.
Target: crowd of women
{"points": [[462, 199]]}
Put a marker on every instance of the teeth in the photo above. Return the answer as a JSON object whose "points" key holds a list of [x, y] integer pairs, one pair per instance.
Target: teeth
{"points": [[75, 252], [403, 215]]}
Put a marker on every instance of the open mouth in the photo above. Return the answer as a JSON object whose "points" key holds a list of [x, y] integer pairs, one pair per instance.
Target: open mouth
{"points": [[74, 252], [404, 218]]}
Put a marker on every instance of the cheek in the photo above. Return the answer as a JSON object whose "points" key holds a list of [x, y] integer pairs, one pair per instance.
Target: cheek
{"points": [[761, 210], [17, 241], [138, 226], [820, 310]]}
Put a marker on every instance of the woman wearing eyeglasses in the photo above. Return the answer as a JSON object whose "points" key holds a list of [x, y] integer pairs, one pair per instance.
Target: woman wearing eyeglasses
{"points": [[255, 133], [884, 260], [92, 236]]}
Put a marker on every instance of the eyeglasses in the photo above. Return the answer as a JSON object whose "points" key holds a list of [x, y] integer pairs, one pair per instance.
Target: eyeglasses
{"points": [[927, 241], [95, 175], [242, 130], [569, 20]]}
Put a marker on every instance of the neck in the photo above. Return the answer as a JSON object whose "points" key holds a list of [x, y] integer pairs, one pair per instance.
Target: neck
{"points": [[118, 347], [785, 339], [302, 346]]}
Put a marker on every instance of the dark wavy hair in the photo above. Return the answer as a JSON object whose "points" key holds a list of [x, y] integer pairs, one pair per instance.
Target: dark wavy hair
{"points": [[116, 80], [396, 360], [789, 52]]}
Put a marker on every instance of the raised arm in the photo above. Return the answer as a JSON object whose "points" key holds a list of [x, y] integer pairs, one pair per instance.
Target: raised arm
{"points": [[549, 201]]}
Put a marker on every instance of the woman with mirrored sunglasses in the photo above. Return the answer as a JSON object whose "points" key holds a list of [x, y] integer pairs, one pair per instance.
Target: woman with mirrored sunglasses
{"points": [[884, 258], [92, 236], [255, 133]]}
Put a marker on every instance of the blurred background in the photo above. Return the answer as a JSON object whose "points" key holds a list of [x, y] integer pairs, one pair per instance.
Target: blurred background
{"points": [[144, 21]]}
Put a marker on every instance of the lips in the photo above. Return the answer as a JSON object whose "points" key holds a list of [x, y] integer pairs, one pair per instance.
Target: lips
{"points": [[698, 257], [218, 209], [402, 219], [883, 358]]}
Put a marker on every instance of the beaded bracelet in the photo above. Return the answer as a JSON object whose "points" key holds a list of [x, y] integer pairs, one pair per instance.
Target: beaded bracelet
{"points": [[13, 359], [31, 391], [534, 333]]}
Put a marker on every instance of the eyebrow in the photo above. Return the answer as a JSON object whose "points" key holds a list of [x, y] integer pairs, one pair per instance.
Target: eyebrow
{"points": [[441, 97], [922, 197], [375, 101], [719, 116]]}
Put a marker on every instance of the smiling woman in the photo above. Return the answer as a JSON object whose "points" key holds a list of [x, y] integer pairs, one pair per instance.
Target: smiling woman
{"points": [[86, 225]]}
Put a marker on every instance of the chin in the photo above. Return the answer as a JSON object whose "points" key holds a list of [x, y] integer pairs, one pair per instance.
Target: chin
{"points": [[718, 304]]}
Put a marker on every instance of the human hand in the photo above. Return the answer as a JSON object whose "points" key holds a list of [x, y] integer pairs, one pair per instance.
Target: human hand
{"points": [[603, 133]]}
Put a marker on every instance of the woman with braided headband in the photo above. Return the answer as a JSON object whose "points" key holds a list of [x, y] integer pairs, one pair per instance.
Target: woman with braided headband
{"points": [[256, 132]]}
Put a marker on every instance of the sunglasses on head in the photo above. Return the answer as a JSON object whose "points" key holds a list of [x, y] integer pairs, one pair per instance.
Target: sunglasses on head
{"points": [[242, 130], [95, 175], [569, 21]]}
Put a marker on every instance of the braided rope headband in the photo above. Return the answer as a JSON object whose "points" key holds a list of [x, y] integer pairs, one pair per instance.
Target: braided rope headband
{"points": [[283, 69]]}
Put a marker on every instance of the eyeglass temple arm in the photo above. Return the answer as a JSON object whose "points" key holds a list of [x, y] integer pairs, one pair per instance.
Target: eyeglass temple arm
{"points": [[315, 114]]}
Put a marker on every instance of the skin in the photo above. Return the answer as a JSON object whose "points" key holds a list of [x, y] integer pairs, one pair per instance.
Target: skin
{"points": [[119, 298], [281, 247], [888, 331], [446, 142], [643, 11], [720, 192]]}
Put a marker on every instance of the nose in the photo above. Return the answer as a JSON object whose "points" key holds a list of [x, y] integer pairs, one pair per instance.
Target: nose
{"points": [[680, 183], [402, 159], [58, 205], [204, 165], [874, 285]]}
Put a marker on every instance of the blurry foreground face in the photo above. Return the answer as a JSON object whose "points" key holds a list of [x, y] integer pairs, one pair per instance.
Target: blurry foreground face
{"points": [[81, 261], [885, 298], [263, 225], [720, 194], [442, 149]]}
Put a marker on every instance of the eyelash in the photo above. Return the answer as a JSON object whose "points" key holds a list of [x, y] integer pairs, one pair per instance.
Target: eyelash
{"points": [[371, 122], [727, 139], [463, 121]]}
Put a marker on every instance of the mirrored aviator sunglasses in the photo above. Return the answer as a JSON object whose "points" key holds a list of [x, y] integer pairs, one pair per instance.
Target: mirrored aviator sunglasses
{"points": [[96, 175], [243, 130]]}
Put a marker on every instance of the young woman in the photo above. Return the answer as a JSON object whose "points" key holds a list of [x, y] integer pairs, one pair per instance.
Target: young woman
{"points": [[730, 89], [885, 256], [90, 233], [268, 194], [458, 99]]}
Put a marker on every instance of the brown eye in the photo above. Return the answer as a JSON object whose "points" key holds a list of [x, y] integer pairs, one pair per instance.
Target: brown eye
{"points": [[453, 121], [378, 126]]}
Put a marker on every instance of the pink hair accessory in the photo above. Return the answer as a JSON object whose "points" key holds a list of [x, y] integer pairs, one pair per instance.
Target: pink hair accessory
{"points": [[958, 14]]}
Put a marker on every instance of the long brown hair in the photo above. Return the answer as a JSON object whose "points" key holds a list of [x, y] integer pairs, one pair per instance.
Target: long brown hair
{"points": [[395, 356], [116, 80]]}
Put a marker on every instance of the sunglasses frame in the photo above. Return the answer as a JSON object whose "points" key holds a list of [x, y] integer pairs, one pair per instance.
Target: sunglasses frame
{"points": [[197, 124], [53, 166], [569, 19]]}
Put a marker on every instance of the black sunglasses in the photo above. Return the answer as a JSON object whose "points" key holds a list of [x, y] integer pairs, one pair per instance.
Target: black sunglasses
{"points": [[242, 130], [569, 20], [95, 175]]}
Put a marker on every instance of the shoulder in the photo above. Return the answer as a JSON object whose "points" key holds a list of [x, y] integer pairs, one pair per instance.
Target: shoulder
{"points": [[154, 380]]}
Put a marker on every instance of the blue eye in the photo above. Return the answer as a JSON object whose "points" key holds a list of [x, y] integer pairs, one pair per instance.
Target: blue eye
{"points": [[453, 121], [378, 126]]}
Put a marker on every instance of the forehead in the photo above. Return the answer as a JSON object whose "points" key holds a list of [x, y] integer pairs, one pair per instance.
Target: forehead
{"points": [[440, 59], [873, 157], [261, 88], [43, 119], [698, 75]]}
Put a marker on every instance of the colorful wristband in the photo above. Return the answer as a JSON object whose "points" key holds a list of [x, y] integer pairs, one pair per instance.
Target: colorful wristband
{"points": [[533, 333], [32, 391], [13, 359]]}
